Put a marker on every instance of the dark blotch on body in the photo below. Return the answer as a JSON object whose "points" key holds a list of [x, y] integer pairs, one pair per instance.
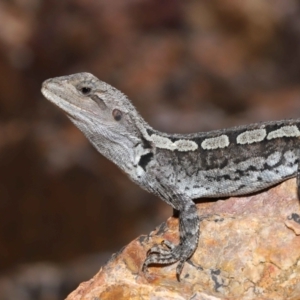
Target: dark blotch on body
{"points": [[146, 144], [145, 159]]}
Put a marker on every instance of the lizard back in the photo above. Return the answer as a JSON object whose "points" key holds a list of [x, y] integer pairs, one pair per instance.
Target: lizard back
{"points": [[233, 161]]}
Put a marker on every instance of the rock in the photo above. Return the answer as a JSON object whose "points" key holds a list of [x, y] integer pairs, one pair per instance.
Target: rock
{"points": [[249, 248]]}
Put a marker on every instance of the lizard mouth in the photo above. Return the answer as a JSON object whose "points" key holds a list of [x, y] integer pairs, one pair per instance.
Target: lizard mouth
{"points": [[62, 103]]}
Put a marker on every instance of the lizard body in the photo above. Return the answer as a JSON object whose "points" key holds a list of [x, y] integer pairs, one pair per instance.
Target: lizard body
{"points": [[177, 167]]}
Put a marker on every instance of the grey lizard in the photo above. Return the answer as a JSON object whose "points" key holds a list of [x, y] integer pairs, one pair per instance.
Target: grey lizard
{"points": [[177, 167]]}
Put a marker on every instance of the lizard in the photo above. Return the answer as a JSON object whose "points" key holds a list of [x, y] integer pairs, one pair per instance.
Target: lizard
{"points": [[178, 168]]}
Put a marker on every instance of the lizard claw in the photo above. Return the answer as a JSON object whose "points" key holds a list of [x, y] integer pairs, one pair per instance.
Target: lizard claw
{"points": [[166, 254], [163, 248]]}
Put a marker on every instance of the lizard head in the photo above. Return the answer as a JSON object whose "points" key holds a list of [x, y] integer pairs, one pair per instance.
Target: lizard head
{"points": [[102, 113]]}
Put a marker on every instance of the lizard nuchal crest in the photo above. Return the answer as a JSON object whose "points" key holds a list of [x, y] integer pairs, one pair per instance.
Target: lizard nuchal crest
{"points": [[177, 167]]}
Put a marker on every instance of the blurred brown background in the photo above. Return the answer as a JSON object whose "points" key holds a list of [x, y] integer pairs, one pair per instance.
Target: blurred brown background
{"points": [[186, 65]]}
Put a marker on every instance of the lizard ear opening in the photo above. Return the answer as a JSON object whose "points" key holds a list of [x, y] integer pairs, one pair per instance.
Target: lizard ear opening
{"points": [[117, 114]]}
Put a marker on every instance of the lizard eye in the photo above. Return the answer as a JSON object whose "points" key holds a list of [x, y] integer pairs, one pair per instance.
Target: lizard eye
{"points": [[85, 90], [117, 114]]}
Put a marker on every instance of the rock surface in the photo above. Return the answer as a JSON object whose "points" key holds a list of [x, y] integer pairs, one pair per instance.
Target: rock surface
{"points": [[249, 248]]}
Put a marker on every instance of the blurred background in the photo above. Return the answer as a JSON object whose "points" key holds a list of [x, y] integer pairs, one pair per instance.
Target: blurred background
{"points": [[186, 65]]}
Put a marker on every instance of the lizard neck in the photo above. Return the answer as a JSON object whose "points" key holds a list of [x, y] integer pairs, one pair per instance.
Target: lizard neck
{"points": [[126, 148]]}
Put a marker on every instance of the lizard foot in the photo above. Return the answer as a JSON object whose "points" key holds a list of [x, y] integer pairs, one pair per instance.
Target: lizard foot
{"points": [[165, 254]]}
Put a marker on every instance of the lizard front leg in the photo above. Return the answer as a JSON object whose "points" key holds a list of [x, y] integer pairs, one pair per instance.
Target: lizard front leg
{"points": [[189, 231]]}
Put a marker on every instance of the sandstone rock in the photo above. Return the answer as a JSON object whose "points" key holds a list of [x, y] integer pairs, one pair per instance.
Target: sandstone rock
{"points": [[249, 248]]}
